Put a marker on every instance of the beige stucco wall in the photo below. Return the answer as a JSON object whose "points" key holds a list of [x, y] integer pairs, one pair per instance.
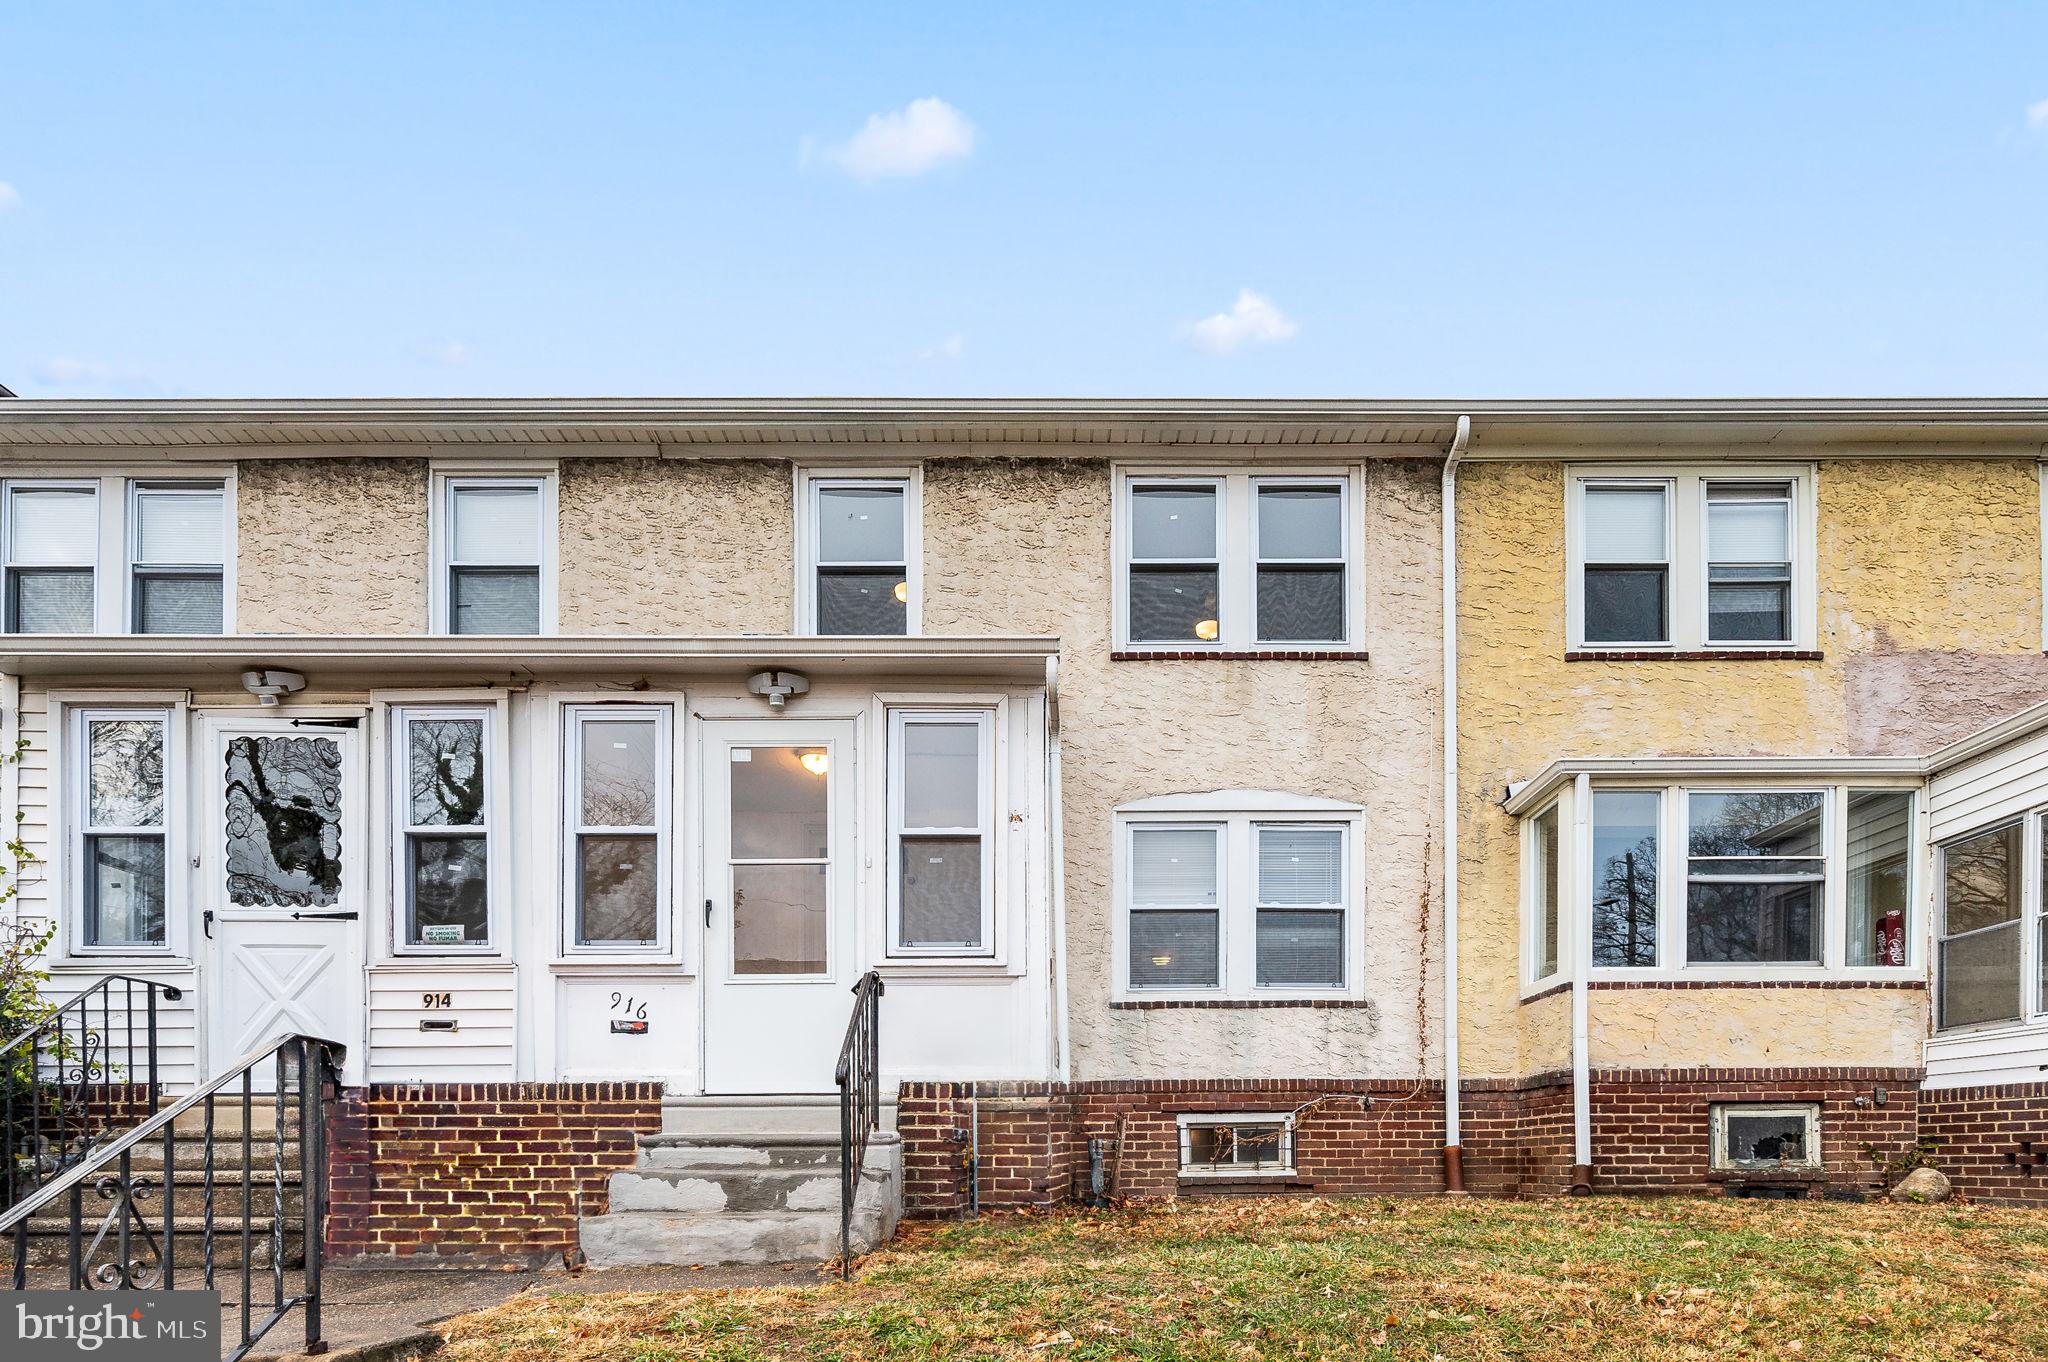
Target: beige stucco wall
{"points": [[331, 546], [1929, 576], [1024, 546], [676, 546]]}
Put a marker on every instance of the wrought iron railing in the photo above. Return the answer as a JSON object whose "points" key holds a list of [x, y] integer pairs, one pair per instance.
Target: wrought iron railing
{"points": [[860, 1102], [77, 1078], [133, 1246]]}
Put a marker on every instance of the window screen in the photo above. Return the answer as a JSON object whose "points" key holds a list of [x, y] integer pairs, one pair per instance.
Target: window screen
{"points": [[1980, 928], [941, 832], [1301, 907], [52, 543], [1174, 907], [1301, 590], [1627, 565], [1749, 564], [1174, 569], [178, 541], [494, 558]]}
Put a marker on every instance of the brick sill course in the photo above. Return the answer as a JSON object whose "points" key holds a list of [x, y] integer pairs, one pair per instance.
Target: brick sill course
{"points": [[1240, 655], [1692, 655], [1162, 1004]]}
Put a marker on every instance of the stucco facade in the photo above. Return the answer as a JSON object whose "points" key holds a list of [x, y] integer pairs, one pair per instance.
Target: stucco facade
{"points": [[331, 546]]}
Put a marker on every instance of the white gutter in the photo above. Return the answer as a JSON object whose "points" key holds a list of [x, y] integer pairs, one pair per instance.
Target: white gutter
{"points": [[1582, 967], [1056, 836], [1454, 1153], [1527, 796]]}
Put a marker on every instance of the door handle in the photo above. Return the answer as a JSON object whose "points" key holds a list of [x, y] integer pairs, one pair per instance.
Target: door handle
{"points": [[206, 923], [326, 917], [707, 912]]}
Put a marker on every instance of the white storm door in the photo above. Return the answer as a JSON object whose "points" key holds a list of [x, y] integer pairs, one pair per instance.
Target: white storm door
{"points": [[780, 881], [281, 884]]}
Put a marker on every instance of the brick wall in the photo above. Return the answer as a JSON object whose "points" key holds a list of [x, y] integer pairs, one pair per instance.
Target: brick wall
{"points": [[477, 1173], [1987, 1140]]}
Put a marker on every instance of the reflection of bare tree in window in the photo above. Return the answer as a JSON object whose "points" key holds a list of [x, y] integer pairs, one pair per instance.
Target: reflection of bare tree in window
{"points": [[1625, 906], [446, 772], [282, 811], [1771, 841], [127, 773]]}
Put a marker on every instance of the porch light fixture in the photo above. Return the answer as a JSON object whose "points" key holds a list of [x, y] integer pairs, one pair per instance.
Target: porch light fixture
{"points": [[270, 686], [814, 762], [777, 687]]}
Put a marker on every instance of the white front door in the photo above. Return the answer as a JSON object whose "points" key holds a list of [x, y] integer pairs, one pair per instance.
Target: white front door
{"points": [[281, 884], [779, 934]]}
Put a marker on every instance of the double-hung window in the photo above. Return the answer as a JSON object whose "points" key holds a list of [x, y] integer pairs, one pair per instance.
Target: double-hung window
{"points": [[618, 794], [123, 820], [1982, 943], [1680, 560], [52, 545], [941, 827], [444, 801], [1238, 904], [1238, 561], [493, 543], [177, 554], [1727, 878], [858, 553]]}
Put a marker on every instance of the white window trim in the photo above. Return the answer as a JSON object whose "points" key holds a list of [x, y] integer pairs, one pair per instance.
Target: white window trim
{"points": [[1237, 553], [72, 868], [497, 842], [1672, 846], [113, 607], [2033, 997], [1224, 1172], [1717, 1128], [131, 555], [568, 823], [987, 796], [1239, 814], [1685, 548], [446, 481], [92, 553], [1532, 899], [808, 484]]}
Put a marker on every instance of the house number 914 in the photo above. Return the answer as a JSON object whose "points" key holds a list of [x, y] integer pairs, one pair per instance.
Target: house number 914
{"points": [[435, 1001]]}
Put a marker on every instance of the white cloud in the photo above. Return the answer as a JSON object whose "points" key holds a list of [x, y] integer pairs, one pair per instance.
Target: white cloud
{"points": [[66, 371], [2037, 116], [952, 347], [9, 196], [1252, 320], [453, 354], [923, 135]]}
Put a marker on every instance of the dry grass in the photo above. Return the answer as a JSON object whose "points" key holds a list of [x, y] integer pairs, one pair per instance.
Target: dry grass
{"points": [[1646, 1281]]}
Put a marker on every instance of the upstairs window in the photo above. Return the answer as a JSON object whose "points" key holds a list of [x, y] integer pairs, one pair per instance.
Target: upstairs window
{"points": [[52, 545], [123, 818], [176, 546], [1685, 560], [494, 545], [859, 556], [1238, 561], [941, 825]]}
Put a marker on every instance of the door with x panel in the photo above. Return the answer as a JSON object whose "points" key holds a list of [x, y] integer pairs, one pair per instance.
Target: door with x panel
{"points": [[281, 883]]}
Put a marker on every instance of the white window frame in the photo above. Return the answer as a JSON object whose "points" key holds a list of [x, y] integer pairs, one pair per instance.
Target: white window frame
{"points": [[1237, 553], [1534, 978], [2033, 997], [1228, 1172], [1832, 867], [134, 567], [910, 481], [574, 716], [1238, 814], [89, 561], [1673, 844], [497, 851], [1685, 548], [446, 482], [1717, 1135], [984, 722], [77, 768]]}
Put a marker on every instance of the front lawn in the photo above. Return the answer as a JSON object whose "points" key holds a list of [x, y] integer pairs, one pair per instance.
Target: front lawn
{"points": [[1641, 1281]]}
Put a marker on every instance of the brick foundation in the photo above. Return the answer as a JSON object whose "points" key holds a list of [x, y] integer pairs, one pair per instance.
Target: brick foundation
{"points": [[1650, 1134], [490, 1174], [1992, 1142]]}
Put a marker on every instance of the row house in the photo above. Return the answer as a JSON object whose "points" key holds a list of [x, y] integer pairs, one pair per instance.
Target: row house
{"points": [[569, 763]]}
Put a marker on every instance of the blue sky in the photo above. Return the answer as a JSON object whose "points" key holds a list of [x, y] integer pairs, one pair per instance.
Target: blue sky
{"points": [[1090, 200]]}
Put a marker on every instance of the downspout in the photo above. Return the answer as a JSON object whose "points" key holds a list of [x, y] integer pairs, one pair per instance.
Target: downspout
{"points": [[1056, 854], [1582, 960], [1454, 1151]]}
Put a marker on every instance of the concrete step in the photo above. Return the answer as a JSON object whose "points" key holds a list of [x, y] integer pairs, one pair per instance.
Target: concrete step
{"points": [[779, 1149], [813, 1113], [738, 1187]]}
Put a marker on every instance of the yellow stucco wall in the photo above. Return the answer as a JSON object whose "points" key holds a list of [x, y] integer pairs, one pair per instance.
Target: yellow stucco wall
{"points": [[331, 546], [1929, 600]]}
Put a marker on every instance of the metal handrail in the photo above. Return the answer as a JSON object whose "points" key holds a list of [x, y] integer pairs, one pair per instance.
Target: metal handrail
{"points": [[860, 1105], [114, 1179], [171, 993]]}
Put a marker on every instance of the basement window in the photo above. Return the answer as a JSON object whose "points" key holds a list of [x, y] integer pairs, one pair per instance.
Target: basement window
{"points": [[1756, 1137], [1236, 1144]]}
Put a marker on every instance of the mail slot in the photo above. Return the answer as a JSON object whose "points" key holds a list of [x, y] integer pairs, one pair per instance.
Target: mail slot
{"points": [[439, 1024], [624, 1026]]}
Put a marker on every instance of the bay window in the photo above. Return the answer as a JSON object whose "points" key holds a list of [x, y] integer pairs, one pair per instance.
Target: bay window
{"points": [[122, 820], [444, 767], [941, 830]]}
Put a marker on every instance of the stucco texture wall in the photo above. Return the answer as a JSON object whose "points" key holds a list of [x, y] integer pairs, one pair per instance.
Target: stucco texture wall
{"points": [[676, 546], [1024, 546], [1929, 600], [331, 546]]}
